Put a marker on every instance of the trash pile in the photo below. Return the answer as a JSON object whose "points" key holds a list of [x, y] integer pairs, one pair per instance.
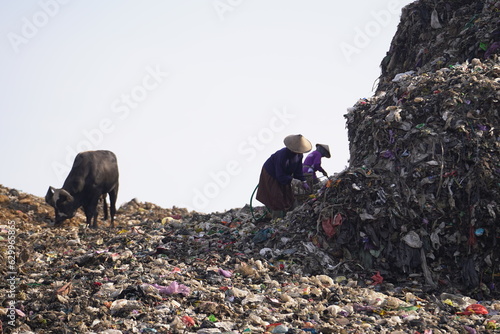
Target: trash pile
{"points": [[174, 271], [422, 189], [435, 34], [421, 193]]}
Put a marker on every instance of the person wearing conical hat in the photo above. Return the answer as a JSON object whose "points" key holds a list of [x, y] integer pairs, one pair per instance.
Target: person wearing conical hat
{"points": [[312, 162], [275, 182]]}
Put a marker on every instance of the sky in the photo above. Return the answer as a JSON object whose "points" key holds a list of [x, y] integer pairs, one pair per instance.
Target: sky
{"points": [[192, 96]]}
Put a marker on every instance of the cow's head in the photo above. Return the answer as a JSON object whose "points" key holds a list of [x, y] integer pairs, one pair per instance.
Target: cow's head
{"points": [[62, 202]]}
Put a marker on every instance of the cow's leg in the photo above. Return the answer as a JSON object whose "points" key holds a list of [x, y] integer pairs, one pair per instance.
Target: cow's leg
{"points": [[105, 206], [89, 214], [112, 204], [91, 211], [89, 218], [95, 218]]}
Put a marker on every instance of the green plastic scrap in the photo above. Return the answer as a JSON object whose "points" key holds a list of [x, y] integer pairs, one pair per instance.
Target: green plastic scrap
{"points": [[420, 126], [408, 308], [470, 23]]}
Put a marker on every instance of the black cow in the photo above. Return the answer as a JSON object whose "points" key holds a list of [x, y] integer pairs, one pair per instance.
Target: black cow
{"points": [[93, 175]]}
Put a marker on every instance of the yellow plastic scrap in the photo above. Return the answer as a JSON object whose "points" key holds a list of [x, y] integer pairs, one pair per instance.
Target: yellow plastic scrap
{"points": [[340, 279], [51, 256], [448, 302], [491, 324], [165, 220]]}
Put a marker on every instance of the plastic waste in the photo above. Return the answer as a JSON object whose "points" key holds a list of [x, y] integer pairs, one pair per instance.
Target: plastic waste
{"points": [[173, 288], [412, 239], [124, 305], [225, 273], [188, 321], [474, 309]]}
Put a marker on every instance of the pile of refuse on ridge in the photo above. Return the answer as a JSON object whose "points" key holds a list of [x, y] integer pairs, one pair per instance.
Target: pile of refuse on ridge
{"points": [[421, 194], [436, 34], [422, 190], [173, 271]]}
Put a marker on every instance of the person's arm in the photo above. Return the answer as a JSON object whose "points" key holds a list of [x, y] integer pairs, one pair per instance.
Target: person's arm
{"points": [[320, 169], [279, 163], [297, 173], [317, 165]]}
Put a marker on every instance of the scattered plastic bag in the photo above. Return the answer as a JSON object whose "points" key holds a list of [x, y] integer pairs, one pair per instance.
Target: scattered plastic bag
{"points": [[173, 288]]}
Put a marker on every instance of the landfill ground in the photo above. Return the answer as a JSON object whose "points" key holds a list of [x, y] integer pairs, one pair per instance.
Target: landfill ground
{"points": [[173, 271], [404, 240]]}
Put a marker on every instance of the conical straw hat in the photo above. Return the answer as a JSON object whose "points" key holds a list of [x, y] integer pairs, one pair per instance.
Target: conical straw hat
{"points": [[326, 148], [297, 143]]}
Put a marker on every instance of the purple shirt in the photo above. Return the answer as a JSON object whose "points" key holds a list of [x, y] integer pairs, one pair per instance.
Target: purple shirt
{"points": [[313, 160], [284, 165]]}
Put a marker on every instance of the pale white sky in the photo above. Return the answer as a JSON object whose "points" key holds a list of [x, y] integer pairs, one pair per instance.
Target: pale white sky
{"points": [[192, 96]]}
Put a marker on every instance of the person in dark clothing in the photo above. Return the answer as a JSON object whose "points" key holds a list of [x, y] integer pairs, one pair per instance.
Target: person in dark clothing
{"points": [[275, 182]]}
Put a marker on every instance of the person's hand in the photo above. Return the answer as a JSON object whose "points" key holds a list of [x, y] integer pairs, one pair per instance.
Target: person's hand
{"points": [[305, 186]]}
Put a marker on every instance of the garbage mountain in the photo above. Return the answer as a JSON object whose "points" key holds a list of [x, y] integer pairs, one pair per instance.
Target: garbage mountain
{"points": [[421, 194]]}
